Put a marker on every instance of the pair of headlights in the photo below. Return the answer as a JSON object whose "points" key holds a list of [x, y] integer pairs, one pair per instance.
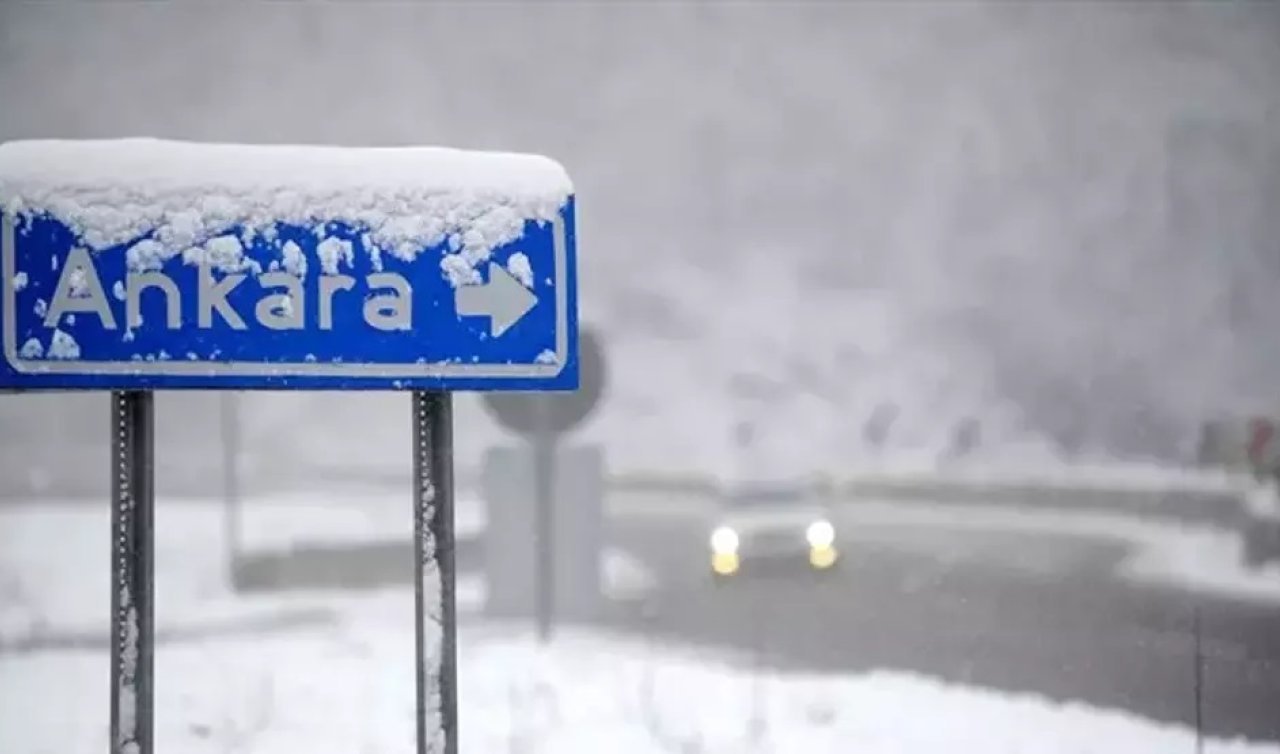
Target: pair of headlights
{"points": [[820, 535]]}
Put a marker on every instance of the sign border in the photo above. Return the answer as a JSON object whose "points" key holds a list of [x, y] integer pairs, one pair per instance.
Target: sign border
{"points": [[234, 370]]}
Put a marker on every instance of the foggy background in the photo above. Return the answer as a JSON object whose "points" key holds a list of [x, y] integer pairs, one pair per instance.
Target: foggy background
{"points": [[1055, 221]]}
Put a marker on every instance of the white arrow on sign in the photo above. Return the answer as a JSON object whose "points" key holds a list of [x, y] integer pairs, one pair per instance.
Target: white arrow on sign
{"points": [[503, 300]]}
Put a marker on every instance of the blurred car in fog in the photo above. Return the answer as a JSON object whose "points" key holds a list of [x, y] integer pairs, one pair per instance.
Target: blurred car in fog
{"points": [[775, 526]]}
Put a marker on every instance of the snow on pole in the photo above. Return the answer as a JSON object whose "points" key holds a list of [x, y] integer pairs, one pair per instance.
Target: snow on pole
{"points": [[435, 624], [132, 571]]}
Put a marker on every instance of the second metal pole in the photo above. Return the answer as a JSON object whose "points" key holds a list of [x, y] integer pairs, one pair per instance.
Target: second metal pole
{"points": [[544, 453], [435, 618], [229, 418], [132, 571]]}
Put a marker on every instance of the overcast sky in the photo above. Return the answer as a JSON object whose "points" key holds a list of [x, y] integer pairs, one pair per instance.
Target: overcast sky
{"points": [[1062, 216]]}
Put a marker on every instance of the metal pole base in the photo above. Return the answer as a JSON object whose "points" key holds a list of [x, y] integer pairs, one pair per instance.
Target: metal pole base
{"points": [[132, 571]]}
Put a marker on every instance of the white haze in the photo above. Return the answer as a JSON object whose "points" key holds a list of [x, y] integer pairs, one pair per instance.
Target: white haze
{"points": [[1058, 219]]}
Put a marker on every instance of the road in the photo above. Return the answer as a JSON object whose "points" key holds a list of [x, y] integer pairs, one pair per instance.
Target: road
{"points": [[1023, 610], [1039, 613]]}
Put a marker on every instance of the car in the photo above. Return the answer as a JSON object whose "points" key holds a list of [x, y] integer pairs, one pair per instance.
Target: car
{"points": [[766, 526]]}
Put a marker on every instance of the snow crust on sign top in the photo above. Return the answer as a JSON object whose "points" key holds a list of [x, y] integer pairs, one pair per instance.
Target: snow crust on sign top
{"points": [[182, 194]]}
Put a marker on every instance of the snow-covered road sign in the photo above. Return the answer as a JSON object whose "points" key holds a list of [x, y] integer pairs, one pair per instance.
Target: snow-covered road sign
{"points": [[132, 265], [145, 264]]}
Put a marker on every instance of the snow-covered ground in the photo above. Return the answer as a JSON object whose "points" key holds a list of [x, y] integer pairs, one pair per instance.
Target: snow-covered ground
{"points": [[340, 677], [54, 557], [353, 513], [348, 687]]}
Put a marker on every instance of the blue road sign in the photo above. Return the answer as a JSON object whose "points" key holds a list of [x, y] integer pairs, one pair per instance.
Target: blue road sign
{"points": [[293, 308]]}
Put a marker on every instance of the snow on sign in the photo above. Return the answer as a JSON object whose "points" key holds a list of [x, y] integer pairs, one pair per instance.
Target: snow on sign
{"points": [[151, 264]]}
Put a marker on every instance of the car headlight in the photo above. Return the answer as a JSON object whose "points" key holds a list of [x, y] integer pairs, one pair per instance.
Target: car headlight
{"points": [[724, 541], [820, 534]]}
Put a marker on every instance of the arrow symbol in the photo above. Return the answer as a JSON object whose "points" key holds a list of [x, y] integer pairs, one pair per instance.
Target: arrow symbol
{"points": [[503, 300]]}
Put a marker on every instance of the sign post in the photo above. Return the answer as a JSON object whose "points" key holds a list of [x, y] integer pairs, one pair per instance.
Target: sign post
{"points": [[132, 570], [542, 420], [433, 565], [544, 472], [134, 265], [229, 437]]}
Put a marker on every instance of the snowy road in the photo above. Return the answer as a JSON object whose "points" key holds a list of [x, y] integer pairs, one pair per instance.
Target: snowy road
{"points": [[1017, 607], [987, 633]]}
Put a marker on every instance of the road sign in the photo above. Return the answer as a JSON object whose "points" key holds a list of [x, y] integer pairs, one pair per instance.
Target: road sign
{"points": [[135, 264], [519, 412], [541, 420], [225, 295]]}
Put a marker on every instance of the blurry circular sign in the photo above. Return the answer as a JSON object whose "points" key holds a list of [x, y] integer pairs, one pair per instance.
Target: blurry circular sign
{"points": [[519, 412]]}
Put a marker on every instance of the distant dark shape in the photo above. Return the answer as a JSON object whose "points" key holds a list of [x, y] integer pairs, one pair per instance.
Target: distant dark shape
{"points": [[966, 437], [755, 387], [875, 431], [519, 412]]}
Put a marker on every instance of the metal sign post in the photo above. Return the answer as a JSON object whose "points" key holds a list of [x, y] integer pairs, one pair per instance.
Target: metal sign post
{"points": [[229, 420], [357, 292], [543, 420], [132, 571], [544, 470], [433, 563]]}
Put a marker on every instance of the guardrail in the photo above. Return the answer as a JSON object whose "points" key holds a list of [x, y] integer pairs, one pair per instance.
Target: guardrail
{"points": [[1188, 494], [1197, 494], [1177, 493]]}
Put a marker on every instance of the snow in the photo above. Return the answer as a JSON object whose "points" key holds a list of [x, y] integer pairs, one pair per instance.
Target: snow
{"points": [[223, 253], [117, 288], [459, 270], [147, 254], [339, 677], [128, 714], [348, 686], [78, 283], [520, 268], [32, 349], [295, 261], [375, 254], [40, 308], [117, 191], [45, 589], [334, 252], [19, 281], [282, 520], [63, 346], [1262, 500], [42, 586]]}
